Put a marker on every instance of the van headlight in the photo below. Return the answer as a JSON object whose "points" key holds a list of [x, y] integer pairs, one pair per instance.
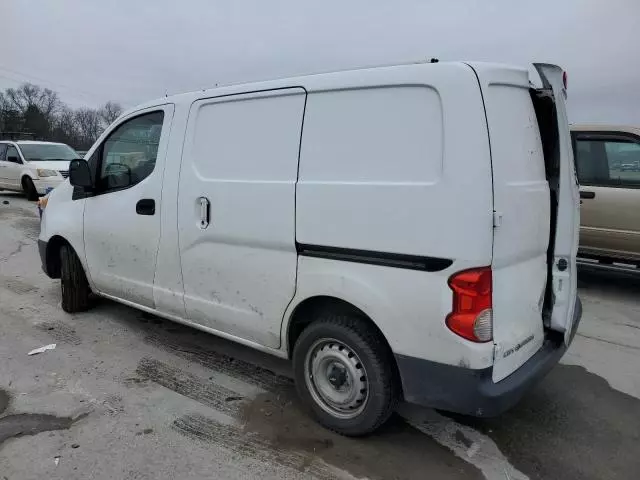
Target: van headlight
{"points": [[43, 172]]}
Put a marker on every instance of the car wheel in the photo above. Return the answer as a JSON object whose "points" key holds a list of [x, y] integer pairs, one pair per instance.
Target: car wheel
{"points": [[344, 374], [29, 189], [73, 282]]}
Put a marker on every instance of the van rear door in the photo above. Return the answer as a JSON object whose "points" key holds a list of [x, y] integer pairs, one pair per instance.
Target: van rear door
{"points": [[527, 199], [565, 201], [521, 216]]}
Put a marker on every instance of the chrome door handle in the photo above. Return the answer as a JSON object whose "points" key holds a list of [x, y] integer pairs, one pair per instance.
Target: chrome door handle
{"points": [[204, 212]]}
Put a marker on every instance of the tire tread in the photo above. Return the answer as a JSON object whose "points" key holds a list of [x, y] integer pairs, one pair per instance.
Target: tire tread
{"points": [[75, 297], [373, 347]]}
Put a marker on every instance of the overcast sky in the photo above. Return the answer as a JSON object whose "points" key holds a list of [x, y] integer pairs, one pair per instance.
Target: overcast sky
{"points": [[131, 51]]}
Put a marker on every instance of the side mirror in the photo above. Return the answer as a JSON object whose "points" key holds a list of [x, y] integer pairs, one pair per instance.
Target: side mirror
{"points": [[79, 174]]}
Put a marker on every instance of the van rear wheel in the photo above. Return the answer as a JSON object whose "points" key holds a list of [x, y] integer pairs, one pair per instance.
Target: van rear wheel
{"points": [[344, 374], [73, 282]]}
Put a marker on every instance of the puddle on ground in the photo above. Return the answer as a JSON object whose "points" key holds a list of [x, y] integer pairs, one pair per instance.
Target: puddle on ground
{"points": [[273, 427], [397, 451], [21, 424], [572, 426]]}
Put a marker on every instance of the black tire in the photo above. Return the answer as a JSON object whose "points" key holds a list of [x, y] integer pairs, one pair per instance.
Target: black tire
{"points": [[73, 282], [372, 352], [29, 189]]}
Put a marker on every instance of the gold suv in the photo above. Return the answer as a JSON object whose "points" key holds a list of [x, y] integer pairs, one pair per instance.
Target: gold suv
{"points": [[608, 165]]}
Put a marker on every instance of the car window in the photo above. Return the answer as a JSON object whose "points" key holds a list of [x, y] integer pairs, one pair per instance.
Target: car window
{"points": [[3, 151], [13, 155], [50, 152], [604, 162], [128, 156]]}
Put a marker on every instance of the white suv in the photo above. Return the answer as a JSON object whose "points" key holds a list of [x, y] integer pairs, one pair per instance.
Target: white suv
{"points": [[33, 167], [397, 232]]}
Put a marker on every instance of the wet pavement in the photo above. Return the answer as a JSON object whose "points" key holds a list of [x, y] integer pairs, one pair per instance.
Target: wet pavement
{"points": [[126, 395]]}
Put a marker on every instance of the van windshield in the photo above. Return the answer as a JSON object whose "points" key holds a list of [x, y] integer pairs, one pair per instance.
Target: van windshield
{"points": [[49, 152]]}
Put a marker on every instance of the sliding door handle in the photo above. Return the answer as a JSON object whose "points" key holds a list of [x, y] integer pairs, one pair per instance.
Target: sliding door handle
{"points": [[205, 209]]}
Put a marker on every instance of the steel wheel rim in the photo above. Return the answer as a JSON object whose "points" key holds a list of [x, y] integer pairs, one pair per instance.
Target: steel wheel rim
{"points": [[336, 378]]}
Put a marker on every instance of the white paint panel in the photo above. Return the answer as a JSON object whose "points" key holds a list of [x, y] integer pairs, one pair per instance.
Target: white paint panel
{"points": [[402, 169], [387, 135], [247, 138], [168, 290], [521, 198], [121, 246], [241, 154], [409, 307]]}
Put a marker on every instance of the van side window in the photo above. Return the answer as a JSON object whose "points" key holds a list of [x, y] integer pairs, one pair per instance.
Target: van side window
{"points": [[3, 152], [605, 162], [128, 155]]}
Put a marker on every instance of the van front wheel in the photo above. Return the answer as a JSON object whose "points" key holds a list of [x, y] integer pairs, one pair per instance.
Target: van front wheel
{"points": [[344, 374], [73, 282]]}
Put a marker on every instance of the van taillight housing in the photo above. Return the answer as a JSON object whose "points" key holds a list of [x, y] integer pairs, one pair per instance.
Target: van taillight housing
{"points": [[472, 314]]}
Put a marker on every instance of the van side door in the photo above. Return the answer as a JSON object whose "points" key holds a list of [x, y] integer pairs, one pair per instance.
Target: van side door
{"points": [[608, 166], [236, 212], [12, 168], [122, 214]]}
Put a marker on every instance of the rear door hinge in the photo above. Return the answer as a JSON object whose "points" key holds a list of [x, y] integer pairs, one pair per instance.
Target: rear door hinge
{"points": [[497, 219]]}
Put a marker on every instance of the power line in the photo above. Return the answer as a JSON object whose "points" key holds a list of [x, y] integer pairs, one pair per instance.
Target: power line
{"points": [[40, 79]]}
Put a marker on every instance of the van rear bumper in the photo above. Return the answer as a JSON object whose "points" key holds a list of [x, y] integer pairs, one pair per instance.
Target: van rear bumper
{"points": [[473, 392]]}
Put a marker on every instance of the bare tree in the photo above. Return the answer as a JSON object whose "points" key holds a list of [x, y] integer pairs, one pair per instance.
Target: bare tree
{"points": [[109, 112], [65, 128], [88, 122], [36, 105], [39, 111], [30, 95]]}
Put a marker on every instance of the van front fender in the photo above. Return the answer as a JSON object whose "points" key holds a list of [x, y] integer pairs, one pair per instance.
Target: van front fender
{"points": [[63, 218]]}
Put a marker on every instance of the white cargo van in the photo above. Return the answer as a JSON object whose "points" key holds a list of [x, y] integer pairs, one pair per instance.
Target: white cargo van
{"points": [[403, 232]]}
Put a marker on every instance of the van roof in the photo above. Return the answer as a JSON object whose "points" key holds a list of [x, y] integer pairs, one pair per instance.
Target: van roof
{"points": [[311, 82]]}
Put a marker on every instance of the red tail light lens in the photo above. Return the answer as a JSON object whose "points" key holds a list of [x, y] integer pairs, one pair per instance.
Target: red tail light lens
{"points": [[564, 80], [472, 314]]}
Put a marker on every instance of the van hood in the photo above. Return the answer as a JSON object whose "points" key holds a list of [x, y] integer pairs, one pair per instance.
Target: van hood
{"points": [[51, 165]]}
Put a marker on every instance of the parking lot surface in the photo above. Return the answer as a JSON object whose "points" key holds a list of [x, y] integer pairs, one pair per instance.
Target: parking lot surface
{"points": [[126, 395]]}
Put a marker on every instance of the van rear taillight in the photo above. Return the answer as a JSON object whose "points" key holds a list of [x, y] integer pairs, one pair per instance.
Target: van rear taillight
{"points": [[472, 314]]}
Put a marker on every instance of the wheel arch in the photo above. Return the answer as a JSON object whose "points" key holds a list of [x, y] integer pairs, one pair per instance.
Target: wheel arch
{"points": [[26, 174], [306, 310], [52, 257]]}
